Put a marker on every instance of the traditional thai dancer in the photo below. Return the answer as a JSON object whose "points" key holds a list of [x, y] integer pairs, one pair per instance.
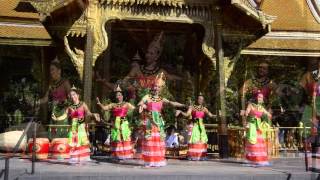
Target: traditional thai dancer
{"points": [[311, 84], [153, 146], [78, 139], [121, 146], [257, 124], [311, 115], [57, 96], [197, 146]]}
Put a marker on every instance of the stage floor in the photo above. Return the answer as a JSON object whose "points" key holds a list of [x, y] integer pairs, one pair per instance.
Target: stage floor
{"points": [[103, 168]]}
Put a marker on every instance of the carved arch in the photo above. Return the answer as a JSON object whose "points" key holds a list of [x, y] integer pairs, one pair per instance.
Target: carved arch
{"points": [[189, 15]]}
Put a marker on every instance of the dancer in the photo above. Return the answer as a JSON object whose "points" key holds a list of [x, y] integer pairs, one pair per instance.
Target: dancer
{"points": [[56, 96], [121, 146], [197, 146], [257, 124], [78, 139], [153, 146]]}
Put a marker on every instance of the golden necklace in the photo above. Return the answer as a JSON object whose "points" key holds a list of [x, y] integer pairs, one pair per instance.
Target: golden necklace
{"points": [[119, 105], [76, 106], [156, 99], [198, 107], [57, 84]]}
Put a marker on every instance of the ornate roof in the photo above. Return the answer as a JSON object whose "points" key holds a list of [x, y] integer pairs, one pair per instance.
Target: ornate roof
{"points": [[314, 6], [48, 6], [295, 32], [297, 15], [20, 27], [286, 44], [251, 8], [7, 10]]}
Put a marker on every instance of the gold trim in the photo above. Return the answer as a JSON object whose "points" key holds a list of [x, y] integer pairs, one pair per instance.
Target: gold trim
{"points": [[280, 53], [60, 118], [26, 42]]}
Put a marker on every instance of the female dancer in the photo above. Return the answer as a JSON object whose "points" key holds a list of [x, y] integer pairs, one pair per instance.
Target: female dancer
{"points": [[255, 148], [78, 139], [120, 133], [57, 96], [197, 147], [153, 146]]}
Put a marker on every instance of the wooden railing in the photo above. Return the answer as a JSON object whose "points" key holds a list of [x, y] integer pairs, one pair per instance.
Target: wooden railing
{"points": [[236, 141], [278, 140]]}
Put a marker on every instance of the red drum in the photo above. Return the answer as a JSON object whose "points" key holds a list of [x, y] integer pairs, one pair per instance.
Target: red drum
{"points": [[60, 148], [41, 149]]}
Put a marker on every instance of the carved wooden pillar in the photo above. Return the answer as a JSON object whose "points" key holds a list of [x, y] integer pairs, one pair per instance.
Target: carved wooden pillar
{"points": [[223, 129], [87, 69], [88, 57], [44, 86]]}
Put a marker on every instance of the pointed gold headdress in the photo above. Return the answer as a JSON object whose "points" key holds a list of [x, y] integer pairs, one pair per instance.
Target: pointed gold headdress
{"points": [[75, 89], [160, 80], [55, 60], [118, 89], [136, 57], [157, 42]]}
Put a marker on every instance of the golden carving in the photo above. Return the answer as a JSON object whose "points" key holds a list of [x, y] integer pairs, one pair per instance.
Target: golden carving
{"points": [[99, 12], [96, 24], [77, 57], [147, 2], [45, 7], [98, 15], [78, 28], [245, 6], [100, 40], [265, 19], [208, 42]]}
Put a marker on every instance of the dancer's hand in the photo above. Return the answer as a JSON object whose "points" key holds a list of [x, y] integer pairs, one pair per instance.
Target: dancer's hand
{"points": [[97, 117], [98, 101], [140, 109], [178, 113], [242, 112]]}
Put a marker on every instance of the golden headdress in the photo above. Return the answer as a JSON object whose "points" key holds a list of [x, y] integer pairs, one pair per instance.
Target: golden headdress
{"points": [[118, 89], [55, 60], [73, 88], [157, 42], [160, 80], [136, 57]]}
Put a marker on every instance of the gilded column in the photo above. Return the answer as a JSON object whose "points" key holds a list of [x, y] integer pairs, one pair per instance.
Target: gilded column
{"points": [[223, 129], [91, 13]]}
